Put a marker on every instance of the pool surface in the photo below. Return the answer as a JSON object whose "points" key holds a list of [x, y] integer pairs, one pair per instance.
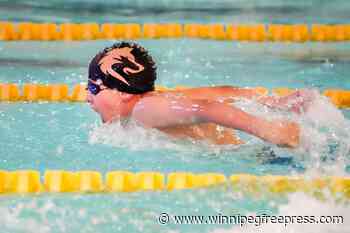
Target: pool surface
{"points": [[69, 136]]}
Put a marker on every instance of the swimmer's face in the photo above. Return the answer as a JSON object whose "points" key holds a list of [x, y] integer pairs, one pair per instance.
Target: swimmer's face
{"points": [[107, 103]]}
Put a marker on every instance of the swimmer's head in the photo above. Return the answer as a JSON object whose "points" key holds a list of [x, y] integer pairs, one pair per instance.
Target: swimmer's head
{"points": [[116, 76], [126, 67]]}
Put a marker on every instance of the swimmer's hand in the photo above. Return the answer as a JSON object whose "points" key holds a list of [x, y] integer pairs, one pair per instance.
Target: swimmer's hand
{"points": [[297, 102]]}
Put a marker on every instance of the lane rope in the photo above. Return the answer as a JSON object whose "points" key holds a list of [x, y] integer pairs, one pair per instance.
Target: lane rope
{"points": [[29, 181], [299, 33], [10, 92]]}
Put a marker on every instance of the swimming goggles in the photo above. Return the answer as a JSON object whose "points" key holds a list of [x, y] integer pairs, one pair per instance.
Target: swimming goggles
{"points": [[94, 87]]}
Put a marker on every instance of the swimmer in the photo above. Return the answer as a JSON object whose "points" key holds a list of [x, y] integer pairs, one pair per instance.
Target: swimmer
{"points": [[121, 86]]}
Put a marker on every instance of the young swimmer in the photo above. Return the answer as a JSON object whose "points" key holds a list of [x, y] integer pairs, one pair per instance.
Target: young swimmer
{"points": [[121, 86]]}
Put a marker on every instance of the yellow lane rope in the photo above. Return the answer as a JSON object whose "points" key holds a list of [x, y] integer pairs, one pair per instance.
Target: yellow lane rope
{"points": [[29, 181], [10, 92], [299, 33]]}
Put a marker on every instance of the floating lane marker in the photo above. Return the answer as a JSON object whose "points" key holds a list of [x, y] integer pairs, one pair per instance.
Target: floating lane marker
{"points": [[10, 92], [60, 181], [297, 33]]}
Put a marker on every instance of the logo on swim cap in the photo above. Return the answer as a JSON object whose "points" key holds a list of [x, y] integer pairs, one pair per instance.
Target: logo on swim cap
{"points": [[123, 57]]}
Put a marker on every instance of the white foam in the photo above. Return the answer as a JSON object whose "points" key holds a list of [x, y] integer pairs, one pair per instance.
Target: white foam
{"points": [[323, 128], [136, 138], [133, 137], [11, 219], [322, 112]]}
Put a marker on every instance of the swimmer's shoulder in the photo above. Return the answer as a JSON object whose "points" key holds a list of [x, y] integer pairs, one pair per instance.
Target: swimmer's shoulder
{"points": [[149, 108], [158, 102], [163, 110]]}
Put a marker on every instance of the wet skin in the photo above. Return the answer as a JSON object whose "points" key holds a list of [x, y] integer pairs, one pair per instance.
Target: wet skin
{"points": [[197, 112]]}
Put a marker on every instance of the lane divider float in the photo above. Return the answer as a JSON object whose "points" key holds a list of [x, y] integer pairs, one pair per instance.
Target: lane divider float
{"points": [[59, 181], [298, 33], [10, 92]]}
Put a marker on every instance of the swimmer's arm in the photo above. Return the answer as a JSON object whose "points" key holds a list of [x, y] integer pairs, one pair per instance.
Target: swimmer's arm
{"points": [[174, 112], [282, 133], [295, 102]]}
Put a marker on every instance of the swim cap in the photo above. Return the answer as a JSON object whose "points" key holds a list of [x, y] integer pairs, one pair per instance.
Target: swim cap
{"points": [[124, 66]]}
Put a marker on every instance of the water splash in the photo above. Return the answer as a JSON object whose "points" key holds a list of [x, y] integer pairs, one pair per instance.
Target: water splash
{"points": [[15, 218], [136, 138], [325, 138], [296, 207], [324, 146], [133, 137]]}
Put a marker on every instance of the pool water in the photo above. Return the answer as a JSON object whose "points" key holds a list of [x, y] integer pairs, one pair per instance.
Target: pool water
{"points": [[155, 11], [70, 136], [53, 133]]}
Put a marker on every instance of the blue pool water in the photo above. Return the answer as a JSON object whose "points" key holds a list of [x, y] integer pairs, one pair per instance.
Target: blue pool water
{"points": [[53, 133], [205, 11], [69, 136]]}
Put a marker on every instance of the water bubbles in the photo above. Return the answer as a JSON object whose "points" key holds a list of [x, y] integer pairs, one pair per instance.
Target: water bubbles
{"points": [[81, 213], [170, 53], [117, 135], [324, 133], [95, 220], [136, 138], [296, 207], [209, 65], [188, 60], [328, 64], [59, 150], [163, 62]]}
